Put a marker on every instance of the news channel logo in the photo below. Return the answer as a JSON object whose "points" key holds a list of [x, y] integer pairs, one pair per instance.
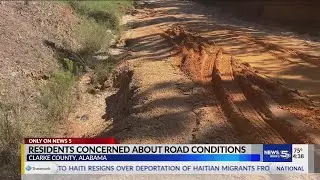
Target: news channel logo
{"points": [[277, 153]]}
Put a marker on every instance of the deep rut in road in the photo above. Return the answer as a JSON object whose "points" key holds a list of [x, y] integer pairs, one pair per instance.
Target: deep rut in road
{"points": [[262, 110]]}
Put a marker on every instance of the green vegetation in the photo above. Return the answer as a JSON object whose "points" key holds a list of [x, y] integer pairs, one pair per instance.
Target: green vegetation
{"points": [[100, 23], [58, 94], [99, 26], [92, 37], [100, 17], [17, 122], [100, 75], [10, 138]]}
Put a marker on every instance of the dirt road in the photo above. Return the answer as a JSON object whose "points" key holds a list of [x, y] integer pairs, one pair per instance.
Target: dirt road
{"points": [[173, 106], [191, 76]]}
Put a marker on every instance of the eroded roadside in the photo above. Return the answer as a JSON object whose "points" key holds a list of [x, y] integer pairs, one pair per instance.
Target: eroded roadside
{"points": [[156, 102], [167, 107]]}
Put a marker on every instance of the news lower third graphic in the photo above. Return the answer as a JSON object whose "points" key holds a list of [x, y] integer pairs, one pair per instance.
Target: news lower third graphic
{"points": [[104, 156], [277, 153]]}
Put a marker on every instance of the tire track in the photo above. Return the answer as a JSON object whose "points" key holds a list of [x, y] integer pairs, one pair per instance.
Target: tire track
{"points": [[242, 114], [248, 99], [287, 124]]}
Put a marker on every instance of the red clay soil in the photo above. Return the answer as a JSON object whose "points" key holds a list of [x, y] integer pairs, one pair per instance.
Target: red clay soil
{"points": [[263, 110], [197, 56]]}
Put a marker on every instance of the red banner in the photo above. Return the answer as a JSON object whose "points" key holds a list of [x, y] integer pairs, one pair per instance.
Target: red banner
{"points": [[70, 141]]}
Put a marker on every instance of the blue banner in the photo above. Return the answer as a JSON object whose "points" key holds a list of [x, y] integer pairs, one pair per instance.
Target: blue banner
{"points": [[144, 157]]}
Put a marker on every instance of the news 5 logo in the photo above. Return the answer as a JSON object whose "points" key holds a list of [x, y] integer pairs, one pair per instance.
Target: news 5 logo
{"points": [[277, 153]]}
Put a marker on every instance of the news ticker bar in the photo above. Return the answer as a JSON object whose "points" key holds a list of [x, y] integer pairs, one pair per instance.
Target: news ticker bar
{"points": [[165, 168], [111, 158], [89, 152]]}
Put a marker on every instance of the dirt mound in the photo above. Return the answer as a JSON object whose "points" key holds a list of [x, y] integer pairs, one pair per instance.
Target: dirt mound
{"points": [[196, 56], [263, 110]]}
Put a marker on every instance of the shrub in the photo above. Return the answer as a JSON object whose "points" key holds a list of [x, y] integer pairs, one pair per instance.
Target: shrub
{"points": [[106, 19], [17, 122], [101, 73], [92, 37], [58, 95], [105, 13], [10, 139]]}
